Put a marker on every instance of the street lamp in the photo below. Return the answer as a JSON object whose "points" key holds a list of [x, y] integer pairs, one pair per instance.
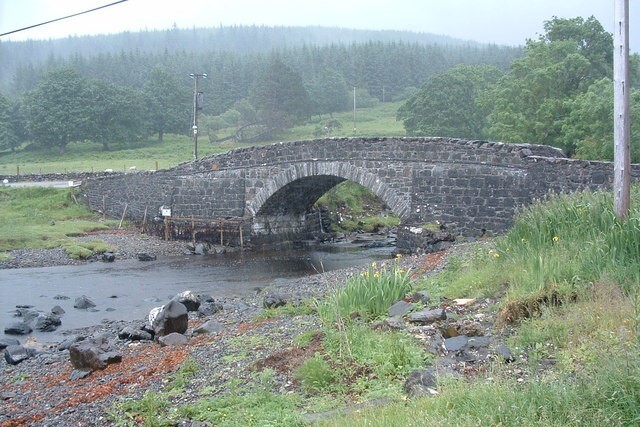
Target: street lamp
{"points": [[197, 105]]}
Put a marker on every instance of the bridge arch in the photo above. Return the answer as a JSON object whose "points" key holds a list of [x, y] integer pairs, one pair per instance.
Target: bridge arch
{"points": [[294, 190]]}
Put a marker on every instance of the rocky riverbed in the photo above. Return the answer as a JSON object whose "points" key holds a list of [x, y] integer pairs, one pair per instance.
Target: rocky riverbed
{"points": [[44, 390]]}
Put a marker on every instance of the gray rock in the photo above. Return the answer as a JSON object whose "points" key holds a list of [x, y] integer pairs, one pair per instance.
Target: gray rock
{"points": [[200, 249], [108, 257], [83, 303], [57, 310], [400, 308], [426, 317], [64, 345], [188, 299], [18, 328], [48, 322], [209, 308], [273, 301], [478, 342], [505, 353], [93, 353], [173, 338], [172, 317], [209, 327], [456, 343], [6, 342], [423, 297], [15, 354], [146, 257], [436, 345], [27, 314], [61, 297], [133, 334], [421, 383]]}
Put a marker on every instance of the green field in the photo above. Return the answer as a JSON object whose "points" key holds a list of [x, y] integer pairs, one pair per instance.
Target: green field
{"points": [[175, 149]]}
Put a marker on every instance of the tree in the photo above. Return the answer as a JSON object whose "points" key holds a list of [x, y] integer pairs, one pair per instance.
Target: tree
{"points": [[117, 114], [589, 126], [57, 109], [449, 103], [279, 96], [8, 136], [531, 102], [169, 104], [328, 92]]}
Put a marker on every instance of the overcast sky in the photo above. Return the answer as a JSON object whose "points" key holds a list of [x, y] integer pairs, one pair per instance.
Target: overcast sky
{"points": [[508, 22]]}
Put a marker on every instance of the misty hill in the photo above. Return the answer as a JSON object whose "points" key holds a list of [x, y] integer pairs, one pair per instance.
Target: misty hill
{"points": [[239, 40]]}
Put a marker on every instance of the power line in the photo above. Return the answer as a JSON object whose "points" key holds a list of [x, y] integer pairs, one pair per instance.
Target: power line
{"points": [[64, 17]]}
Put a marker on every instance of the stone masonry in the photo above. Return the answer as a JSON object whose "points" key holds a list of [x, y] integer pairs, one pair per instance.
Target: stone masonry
{"points": [[471, 187]]}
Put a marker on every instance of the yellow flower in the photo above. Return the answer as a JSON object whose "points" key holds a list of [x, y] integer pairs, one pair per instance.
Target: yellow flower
{"points": [[373, 265], [496, 255], [555, 238]]}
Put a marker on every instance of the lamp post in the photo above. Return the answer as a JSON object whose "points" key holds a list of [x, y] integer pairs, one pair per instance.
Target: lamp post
{"points": [[196, 106]]}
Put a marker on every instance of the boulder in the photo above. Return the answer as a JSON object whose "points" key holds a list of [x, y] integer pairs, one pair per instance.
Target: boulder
{"points": [[273, 301], [172, 317], [456, 343], [64, 345], [209, 308], [188, 299], [26, 313], [146, 257], [15, 354], [173, 338], [57, 310], [93, 353], [133, 334], [83, 303], [425, 317], [400, 308], [18, 328], [48, 322], [108, 257]]}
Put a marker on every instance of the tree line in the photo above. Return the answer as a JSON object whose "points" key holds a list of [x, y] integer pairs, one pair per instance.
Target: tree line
{"points": [[119, 99], [559, 93]]}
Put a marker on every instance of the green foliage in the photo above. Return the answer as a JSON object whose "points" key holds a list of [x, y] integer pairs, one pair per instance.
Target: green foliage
{"points": [[254, 405], [368, 295], [50, 124], [168, 103], [181, 377], [8, 135], [449, 103], [531, 102], [316, 375], [150, 410], [279, 95]]}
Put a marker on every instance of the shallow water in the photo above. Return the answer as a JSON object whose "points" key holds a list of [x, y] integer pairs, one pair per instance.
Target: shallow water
{"points": [[128, 289]]}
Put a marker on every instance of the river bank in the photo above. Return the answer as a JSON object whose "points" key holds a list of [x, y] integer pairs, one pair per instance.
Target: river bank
{"points": [[41, 391]]}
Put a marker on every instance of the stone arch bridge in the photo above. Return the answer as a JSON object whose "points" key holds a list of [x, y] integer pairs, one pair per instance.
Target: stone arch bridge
{"points": [[472, 187]]}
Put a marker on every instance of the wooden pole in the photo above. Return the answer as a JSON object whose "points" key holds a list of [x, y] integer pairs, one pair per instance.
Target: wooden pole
{"points": [[621, 122], [124, 212], [241, 242]]}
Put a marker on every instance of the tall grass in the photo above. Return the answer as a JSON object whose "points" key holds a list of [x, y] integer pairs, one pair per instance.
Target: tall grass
{"points": [[367, 295], [570, 241]]}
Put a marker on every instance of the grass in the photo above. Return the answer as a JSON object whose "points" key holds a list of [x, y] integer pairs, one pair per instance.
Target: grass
{"points": [[46, 218]]}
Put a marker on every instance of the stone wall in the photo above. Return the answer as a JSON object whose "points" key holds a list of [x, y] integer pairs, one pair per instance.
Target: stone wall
{"points": [[471, 187]]}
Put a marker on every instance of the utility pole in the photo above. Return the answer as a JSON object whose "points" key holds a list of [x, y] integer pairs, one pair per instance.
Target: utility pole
{"points": [[621, 122], [197, 105], [354, 110]]}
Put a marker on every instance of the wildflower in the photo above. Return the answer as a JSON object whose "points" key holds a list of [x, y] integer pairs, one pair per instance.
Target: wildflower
{"points": [[555, 239], [373, 265], [496, 255], [398, 255]]}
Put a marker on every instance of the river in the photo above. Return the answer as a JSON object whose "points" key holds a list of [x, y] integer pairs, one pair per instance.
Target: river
{"points": [[129, 289]]}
